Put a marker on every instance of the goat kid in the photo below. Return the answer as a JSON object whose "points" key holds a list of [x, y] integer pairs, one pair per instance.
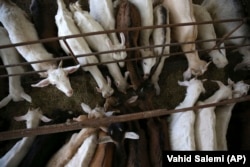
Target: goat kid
{"points": [[128, 16], [44, 146], [160, 36], [232, 9], [181, 125], [15, 155], [117, 133], [99, 43], [205, 134], [20, 29], [103, 12], [146, 12], [66, 26], [43, 16], [10, 56], [223, 114], [207, 32], [182, 12]]}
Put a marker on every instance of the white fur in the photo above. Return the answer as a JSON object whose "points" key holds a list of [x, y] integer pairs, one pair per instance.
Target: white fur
{"points": [[205, 135], [223, 115], [207, 32], [230, 9], [67, 151], [15, 155], [20, 29], [98, 43], [10, 56], [66, 26], [103, 12], [160, 36], [182, 12], [84, 153], [181, 124], [146, 11]]}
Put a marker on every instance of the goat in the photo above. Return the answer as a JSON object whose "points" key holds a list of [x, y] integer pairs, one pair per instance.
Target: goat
{"points": [[20, 29], [15, 155], [99, 43], [223, 115], [99, 156], [232, 9], [182, 12], [10, 56], [129, 16], [44, 146], [146, 12], [155, 150], [181, 125], [205, 134], [117, 134], [207, 32], [103, 12], [138, 149], [160, 36], [64, 155], [66, 26], [84, 153], [80, 143], [43, 16]]}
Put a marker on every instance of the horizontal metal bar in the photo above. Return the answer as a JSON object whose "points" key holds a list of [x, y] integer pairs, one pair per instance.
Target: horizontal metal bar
{"points": [[120, 30], [57, 128]]}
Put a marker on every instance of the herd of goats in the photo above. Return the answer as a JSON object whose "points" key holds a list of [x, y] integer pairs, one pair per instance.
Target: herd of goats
{"points": [[204, 129]]}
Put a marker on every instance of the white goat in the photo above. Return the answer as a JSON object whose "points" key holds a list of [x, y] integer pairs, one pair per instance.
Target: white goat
{"points": [[66, 26], [223, 115], [160, 36], [20, 29], [207, 32], [99, 43], [10, 56], [181, 124], [231, 9], [67, 151], [146, 11], [15, 155], [85, 152], [205, 135], [182, 12], [103, 12]]}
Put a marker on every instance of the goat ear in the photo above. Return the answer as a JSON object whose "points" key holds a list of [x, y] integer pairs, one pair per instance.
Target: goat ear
{"points": [[21, 118], [132, 99], [109, 113], [43, 83], [131, 135], [109, 44], [60, 64], [230, 82], [183, 83], [45, 119], [26, 97], [5, 101], [71, 69], [208, 64], [122, 36], [86, 108], [105, 139], [187, 74]]}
